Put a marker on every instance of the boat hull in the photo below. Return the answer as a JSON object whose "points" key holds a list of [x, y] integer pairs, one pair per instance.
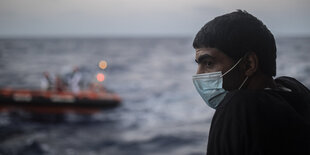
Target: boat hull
{"points": [[57, 102]]}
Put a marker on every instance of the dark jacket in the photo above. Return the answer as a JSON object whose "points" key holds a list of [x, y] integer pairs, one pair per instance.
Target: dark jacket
{"points": [[274, 121]]}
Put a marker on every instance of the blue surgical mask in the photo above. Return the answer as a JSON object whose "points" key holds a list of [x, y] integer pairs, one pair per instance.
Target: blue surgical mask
{"points": [[210, 86]]}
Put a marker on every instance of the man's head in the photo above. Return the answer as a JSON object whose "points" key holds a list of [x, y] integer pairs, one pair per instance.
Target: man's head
{"points": [[230, 37]]}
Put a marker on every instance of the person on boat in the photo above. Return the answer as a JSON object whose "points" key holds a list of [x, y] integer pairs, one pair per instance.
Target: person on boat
{"points": [[46, 81], [59, 84], [254, 113], [74, 80]]}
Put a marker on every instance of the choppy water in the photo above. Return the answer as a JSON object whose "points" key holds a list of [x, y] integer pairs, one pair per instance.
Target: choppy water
{"points": [[161, 111]]}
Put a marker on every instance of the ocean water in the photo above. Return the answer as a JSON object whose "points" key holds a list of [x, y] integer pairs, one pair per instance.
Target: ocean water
{"points": [[161, 111]]}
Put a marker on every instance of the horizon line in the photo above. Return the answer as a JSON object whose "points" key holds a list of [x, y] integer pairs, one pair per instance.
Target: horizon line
{"points": [[126, 36]]}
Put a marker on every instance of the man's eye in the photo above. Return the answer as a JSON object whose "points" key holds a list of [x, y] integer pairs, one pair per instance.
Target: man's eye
{"points": [[207, 63]]}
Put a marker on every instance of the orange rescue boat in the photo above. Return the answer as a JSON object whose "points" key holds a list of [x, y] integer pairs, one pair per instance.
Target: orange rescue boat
{"points": [[55, 102]]}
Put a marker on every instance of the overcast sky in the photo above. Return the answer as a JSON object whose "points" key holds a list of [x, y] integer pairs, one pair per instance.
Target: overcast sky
{"points": [[142, 17]]}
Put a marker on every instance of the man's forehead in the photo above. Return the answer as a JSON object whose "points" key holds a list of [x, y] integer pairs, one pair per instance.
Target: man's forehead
{"points": [[200, 49], [213, 53], [203, 51]]}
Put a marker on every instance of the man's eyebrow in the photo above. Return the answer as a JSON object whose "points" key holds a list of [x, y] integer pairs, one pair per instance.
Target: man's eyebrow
{"points": [[202, 57]]}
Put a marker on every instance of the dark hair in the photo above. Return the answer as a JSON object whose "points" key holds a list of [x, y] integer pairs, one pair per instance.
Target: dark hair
{"points": [[237, 33]]}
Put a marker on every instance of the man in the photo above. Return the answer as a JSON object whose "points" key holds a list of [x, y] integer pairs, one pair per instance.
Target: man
{"points": [[47, 82], [255, 114], [74, 80]]}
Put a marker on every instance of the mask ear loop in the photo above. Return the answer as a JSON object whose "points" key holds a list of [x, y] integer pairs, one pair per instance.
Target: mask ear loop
{"points": [[232, 67], [246, 77], [243, 82]]}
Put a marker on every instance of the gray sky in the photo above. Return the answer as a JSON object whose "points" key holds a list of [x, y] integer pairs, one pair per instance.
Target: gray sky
{"points": [[142, 17]]}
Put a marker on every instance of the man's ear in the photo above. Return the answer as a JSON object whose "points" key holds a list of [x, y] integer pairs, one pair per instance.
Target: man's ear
{"points": [[251, 64]]}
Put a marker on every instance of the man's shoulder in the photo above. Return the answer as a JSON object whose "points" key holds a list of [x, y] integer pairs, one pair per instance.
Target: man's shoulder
{"points": [[268, 102], [245, 98], [252, 102], [289, 91], [292, 84]]}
